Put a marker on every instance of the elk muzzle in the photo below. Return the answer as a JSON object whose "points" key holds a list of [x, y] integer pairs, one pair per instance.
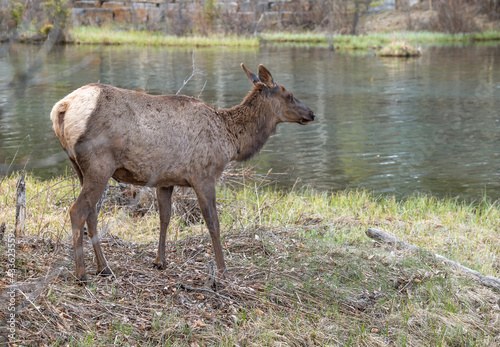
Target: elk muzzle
{"points": [[308, 118]]}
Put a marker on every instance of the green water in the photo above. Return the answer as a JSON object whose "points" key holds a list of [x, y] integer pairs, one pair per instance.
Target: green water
{"points": [[393, 126]]}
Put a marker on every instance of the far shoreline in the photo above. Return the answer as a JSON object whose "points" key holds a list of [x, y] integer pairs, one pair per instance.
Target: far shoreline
{"points": [[87, 35]]}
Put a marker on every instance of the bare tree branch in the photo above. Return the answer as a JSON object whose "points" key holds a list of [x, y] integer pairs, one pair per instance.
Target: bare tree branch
{"points": [[194, 73]]}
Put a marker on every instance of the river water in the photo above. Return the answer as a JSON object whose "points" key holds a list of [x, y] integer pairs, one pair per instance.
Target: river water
{"points": [[392, 126]]}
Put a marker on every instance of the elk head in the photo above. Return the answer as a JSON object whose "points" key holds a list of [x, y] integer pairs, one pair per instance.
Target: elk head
{"points": [[285, 106]]}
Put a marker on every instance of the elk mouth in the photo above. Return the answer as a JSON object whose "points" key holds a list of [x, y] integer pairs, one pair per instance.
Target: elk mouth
{"points": [[308, 119]]}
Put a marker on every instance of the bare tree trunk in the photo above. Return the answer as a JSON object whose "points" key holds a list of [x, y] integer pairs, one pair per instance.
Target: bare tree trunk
{"points": [[355, 20], [409, 22], [332, 16], [166, 21]]}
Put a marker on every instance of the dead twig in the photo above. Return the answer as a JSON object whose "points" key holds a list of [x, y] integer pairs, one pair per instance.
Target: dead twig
{"points": [[193, 289], [20, 205], [2, 231], [211, 268], [194, 73]]}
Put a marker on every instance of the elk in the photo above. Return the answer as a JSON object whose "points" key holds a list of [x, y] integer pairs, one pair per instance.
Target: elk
{"points": [[162, 141]]}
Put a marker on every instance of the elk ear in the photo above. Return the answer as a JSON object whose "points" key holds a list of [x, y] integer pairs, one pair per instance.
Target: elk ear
{"points": [[251, 76], [266, 77]]}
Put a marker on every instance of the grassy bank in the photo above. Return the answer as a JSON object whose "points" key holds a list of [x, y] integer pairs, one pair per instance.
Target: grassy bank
{"points": [[107, 35], [301, 270], [380, 39]]}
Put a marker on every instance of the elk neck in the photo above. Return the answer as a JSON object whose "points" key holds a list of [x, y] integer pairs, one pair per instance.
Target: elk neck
{"points": [[250, 123]]}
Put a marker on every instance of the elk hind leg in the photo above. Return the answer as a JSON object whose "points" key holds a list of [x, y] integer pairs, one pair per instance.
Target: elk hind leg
{"points": [[84, 210], [102, 266]]}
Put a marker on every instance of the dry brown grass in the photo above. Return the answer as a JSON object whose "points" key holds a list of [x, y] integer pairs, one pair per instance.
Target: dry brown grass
{"points": [[303, 280], [281, 289]]}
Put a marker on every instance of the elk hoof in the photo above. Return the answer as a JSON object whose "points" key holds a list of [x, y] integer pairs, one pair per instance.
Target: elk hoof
{"points": [[160, 265], [82, 280], [104, 272]]}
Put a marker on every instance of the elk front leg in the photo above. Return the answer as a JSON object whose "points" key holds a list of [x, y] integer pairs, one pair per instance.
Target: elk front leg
{"points": [[207, 201], [164, 195]]}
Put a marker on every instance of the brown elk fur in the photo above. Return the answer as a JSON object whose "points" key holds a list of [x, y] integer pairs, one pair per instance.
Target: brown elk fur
{"points": [[163, 141]]}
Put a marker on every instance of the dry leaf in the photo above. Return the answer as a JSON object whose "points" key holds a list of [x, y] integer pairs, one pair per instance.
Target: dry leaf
{"points": [[198, 324], [64, 315]]}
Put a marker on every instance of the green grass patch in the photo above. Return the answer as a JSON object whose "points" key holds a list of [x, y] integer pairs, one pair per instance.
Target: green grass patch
{"points": [[282, 36], [379, 40], [121, 36], [462, 231], [116, 36], [301, 270]]}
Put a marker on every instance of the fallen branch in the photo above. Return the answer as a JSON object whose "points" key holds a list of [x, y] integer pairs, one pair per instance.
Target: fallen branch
{"points": [[382, 236]]}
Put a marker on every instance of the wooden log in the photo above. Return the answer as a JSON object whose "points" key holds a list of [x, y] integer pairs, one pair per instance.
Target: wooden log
{"points": [[20, 205], [382, 236]]}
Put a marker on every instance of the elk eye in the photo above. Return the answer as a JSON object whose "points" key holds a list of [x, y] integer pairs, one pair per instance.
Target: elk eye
{"points": [[290, 97]]}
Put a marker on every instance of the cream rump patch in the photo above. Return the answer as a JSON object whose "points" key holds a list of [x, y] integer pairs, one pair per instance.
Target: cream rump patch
{"points": [[71, 114]]}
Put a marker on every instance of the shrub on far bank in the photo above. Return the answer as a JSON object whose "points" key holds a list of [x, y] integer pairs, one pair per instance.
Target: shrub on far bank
{"points": [[34, 21], [455, 16]]}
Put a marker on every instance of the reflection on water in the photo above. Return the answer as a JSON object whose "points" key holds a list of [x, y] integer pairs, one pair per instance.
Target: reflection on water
{"points": [[392, 126]]}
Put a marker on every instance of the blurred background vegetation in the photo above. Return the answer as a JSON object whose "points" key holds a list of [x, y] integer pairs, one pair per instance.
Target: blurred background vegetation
{"points": [[36, 20]]}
